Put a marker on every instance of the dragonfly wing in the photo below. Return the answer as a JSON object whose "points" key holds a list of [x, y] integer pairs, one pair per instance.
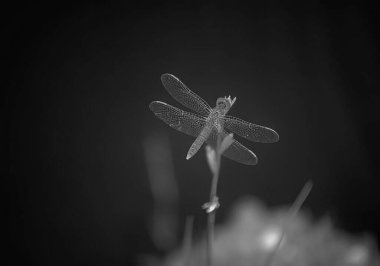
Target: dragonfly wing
{"points": [[178, 119], [236, 152], [250, 131], [240, 154], [184, 95]]}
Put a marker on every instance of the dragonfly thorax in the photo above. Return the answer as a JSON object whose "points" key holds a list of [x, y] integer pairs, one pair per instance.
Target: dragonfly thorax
{"points": [[215, 119]]}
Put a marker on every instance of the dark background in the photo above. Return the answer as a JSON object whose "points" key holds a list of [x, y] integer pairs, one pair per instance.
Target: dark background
{"points": [[78, 83]]}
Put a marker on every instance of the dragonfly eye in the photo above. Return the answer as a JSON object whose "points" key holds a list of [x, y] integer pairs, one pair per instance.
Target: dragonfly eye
{"points": [[222, 105]]}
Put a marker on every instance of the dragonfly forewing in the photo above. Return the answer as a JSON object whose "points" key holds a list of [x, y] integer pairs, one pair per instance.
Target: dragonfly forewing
{"points": [[178, 119], [184, 95], [250, 131]]}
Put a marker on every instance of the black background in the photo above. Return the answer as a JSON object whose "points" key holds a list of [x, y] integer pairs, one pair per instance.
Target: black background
{"points": [[78, 83]]}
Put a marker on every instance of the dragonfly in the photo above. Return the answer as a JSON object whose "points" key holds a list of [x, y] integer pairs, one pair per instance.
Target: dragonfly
{"points": [[208, 124]]}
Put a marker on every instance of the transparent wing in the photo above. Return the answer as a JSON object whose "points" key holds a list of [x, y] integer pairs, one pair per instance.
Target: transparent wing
{"points": [[184, 95], [178, 119], [250, 131], [236, 152]]}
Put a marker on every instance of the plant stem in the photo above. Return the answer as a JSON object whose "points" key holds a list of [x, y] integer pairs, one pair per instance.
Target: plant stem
{"points": [[213, 198], [296, 206], [188, 240]]}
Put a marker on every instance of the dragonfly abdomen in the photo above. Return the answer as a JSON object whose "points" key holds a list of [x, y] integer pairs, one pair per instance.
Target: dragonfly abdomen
{"points": [[197, 144]]}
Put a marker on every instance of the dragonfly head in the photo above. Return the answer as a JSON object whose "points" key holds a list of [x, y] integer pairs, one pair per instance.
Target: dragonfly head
{"points": [[224, 104]]}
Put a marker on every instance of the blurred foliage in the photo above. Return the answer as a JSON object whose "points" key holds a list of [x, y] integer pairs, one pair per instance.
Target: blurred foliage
{"points": [[251, 234]]}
